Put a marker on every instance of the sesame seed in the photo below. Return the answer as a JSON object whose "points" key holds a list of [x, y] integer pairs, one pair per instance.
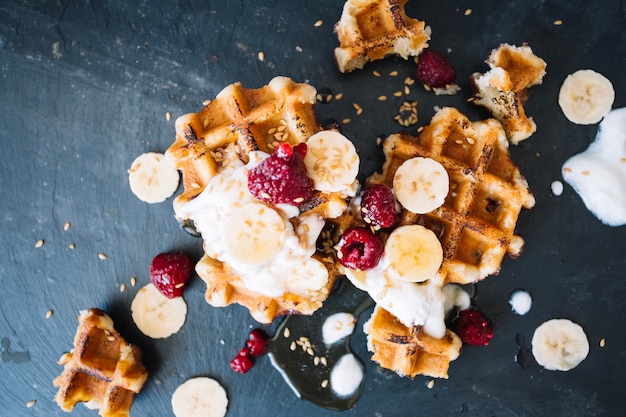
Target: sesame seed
{"points": [[39, 243], [67, 226], [31, 403], [602, 342], [316, 360], [310, 352], [397, 94], [206, 102], [286, 332], [292, 346], [393, 73], [382, 98], [49, 314], [324, 383], [407, 90], [122, 287], [566, 169], [558, 22], [338, 96], [102, 256], [323, 360], [376, 73], [431, 384], [468, 12], [298, 49], [346, 121], [261, 56], [133, 281], [72, 246], [168, 116], [318, 23], [585, 172]]}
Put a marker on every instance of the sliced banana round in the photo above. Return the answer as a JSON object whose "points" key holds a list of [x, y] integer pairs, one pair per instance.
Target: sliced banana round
{"points": [[254, 233], [331, 161], [155, 315], [199, 397], [421, 184], [586, 97], [559, 344], [413, 253], [152, 179]]}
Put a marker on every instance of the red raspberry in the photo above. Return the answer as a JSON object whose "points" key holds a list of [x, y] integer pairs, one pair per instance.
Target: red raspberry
{"points": [[282, 177], [257, 342], [434, 69], [242, 362], [378, 207], [169, 272], [473, 327], [359, 248]]}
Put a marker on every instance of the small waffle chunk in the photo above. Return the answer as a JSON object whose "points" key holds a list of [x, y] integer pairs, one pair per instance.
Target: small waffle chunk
{"points": [[409, 351], [103, 370], [503, 90], [369, 30], [476, 223]]}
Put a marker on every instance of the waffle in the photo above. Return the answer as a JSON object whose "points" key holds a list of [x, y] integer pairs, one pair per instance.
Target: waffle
{"points": [[239, 121], [369, 30], [476, 223], [409, 351], [103, 370], [503, 90]]}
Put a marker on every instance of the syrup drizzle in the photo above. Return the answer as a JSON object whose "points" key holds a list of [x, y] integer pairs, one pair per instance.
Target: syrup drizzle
{"points": [[298, 352], [524, 357]]}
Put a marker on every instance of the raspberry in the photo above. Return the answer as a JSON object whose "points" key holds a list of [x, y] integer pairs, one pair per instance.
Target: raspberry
{"points": [[282, 177], [378, 207], [434, 69], [473, 327], [359, 248], [169, 272], [242, 362], [257, 342]]}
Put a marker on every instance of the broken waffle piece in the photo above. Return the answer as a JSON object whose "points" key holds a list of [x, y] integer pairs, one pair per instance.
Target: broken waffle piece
{"points": [[370, 30], [102, 371], [503, 89], [409, 351]]}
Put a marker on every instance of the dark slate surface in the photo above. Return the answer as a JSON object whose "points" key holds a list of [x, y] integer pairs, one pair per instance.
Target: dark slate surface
{"points": [[84, 89]]}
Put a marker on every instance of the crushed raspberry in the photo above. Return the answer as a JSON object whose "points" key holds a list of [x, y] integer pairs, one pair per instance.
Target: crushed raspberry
{"points": [[379, 207], [359, 248], [282, 177], [434, 69], [169, 273], [257, 342], [473, 327], [242, 363]]}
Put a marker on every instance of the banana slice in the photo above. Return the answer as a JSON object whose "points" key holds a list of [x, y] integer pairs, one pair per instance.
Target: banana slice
{"points": [[152, 179], [331, 161], [413, 253], [155, 315], [254, 233], [421, 184], [559, 344], [586, 97], [199, 397]]}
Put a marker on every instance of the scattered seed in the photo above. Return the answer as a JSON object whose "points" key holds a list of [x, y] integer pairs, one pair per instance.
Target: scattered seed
{"points": [[316, 360], [468, 12], [397, 94], [585, 172], [382, 98], [206, 102], [393, 73], [261, 56], [39, 243], [558, 22], [292, 346], [31, 403], [122, 287], [323, 360], [471, 141], [324, 383], [133, 281], [318, 23], [376, 73], [338, 96], [324, 95], [168, 116], [102, 256], [602, 342], [407, 90], [310, 352], [431, 384], [298, 49], [72, 246], [110, 338], [49, 314], [67, 226], [286, 332], [409, 81], [566, 169], [346, 121]]}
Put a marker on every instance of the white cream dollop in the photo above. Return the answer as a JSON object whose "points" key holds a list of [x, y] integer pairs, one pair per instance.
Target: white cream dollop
{"points": [[337, 326], [599, 173], [346, 375]]}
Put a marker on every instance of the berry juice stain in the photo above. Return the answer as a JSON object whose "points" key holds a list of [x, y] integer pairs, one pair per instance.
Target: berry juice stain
{"points": [[299, 353]]}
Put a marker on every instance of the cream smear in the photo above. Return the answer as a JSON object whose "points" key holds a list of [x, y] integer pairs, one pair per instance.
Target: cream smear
{"points": [[598, 174]]}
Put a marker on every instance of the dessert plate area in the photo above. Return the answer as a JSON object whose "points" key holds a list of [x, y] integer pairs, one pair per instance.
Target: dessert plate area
{"points": [[86, 87]]}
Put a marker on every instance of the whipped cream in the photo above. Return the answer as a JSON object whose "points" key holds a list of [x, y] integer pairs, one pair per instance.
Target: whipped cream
{"points": [[346, 375], [520, 302], [414, 304], [598, 174], [337, 326], [290, 268]]}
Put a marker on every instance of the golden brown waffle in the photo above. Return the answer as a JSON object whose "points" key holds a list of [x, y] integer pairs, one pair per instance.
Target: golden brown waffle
{"points": [[373, 29], [476, 223], [103, 370], [503, 90], [409, 351], [248, 120]]}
